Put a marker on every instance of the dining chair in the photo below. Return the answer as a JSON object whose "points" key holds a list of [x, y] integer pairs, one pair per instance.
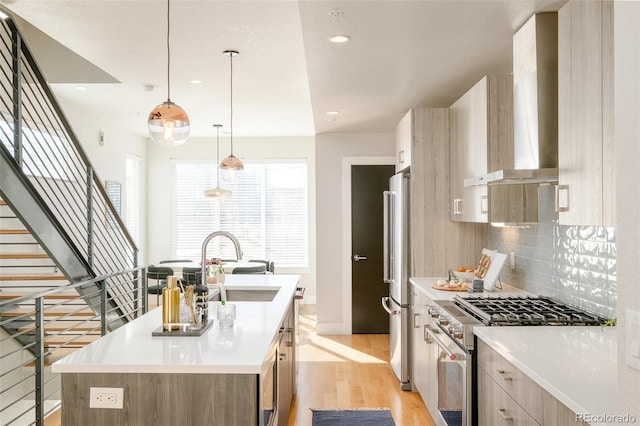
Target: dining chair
{"points": [[159, 274], [189, 274], [268, 263], [258, 269]]}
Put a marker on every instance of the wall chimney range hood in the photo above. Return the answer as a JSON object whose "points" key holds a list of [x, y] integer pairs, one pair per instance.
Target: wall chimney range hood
{"points": [[535, 99]]}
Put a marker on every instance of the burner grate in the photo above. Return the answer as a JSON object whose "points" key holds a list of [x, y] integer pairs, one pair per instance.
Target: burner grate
{"points": [[525, 310]]}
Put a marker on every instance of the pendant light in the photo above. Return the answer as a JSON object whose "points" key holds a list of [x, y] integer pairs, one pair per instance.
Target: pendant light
{"points": [[217, 192], [168, 123], [231, 162]]}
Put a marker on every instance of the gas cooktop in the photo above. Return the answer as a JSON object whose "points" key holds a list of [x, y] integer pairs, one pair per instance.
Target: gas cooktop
{"points": [[525, 310]]}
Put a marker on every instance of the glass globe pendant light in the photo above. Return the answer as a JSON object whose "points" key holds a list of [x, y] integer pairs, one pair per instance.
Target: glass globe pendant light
{"points": [[168, 123], [231, 162], [217, 192]]}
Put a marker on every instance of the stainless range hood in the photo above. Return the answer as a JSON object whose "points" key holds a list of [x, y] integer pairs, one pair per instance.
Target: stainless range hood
{"points": [[535, 98]]}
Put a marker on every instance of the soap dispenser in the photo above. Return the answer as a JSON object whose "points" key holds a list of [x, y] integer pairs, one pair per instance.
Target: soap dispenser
{"points": [[171, 304]]}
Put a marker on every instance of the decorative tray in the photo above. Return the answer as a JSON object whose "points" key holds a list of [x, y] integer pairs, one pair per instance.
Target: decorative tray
{"points": [[182, 331], [461, 287]]}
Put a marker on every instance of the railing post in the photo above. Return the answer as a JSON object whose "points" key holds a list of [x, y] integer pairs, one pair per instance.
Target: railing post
{"points": [[39, 361], [136, 292], [145, 286], [103, 307], [90, 215], [17, 96]]}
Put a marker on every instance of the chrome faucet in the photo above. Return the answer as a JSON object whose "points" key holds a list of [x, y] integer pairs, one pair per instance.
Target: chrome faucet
{"points": [[229, 235]]}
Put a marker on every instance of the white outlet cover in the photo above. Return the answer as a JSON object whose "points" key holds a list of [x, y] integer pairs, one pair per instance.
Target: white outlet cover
{"points": [[632, 335], [106, 398]]}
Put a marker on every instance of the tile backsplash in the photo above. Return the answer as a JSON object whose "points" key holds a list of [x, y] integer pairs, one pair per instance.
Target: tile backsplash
{"points": [[573, 264]]}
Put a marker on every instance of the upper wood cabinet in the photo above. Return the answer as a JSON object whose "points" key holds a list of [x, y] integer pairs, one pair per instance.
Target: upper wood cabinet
{"points": [[404, 139], [437, 244], [586, 191], [481, 126]]}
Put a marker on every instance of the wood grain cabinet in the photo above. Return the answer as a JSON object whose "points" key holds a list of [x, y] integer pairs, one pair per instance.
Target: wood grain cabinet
{"points": [[507, 396], [481, 126], [404, 140], [437, 244], [586, 191]]}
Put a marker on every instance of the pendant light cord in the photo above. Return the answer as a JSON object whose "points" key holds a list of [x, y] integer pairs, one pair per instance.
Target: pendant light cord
{"points": [[231, 95], [168, 54], [218, 154]]}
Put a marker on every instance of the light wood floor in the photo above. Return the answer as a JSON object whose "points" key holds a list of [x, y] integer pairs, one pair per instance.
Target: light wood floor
{"points": [[350, 371], [346, 371]]}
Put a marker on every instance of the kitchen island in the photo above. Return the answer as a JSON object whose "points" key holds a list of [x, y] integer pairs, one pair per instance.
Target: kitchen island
{"points": [[224, 377]]}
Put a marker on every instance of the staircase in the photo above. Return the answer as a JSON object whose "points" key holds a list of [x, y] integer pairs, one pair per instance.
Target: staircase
{"points": [[68, 266]]}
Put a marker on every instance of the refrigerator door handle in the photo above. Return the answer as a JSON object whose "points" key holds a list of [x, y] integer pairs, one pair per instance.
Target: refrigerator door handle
{"points": [[385, 305], [387, 233]]}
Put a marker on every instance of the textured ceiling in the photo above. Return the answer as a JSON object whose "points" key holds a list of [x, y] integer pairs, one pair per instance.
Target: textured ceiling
{"points": [[402, 54]]}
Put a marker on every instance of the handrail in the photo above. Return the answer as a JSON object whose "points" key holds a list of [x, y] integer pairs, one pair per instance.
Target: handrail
{"points": [[35, 119], [68, 129]]}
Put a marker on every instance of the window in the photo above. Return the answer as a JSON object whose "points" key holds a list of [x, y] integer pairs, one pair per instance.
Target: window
{"points": [[133, 193], [267, 211], [43, 154]]}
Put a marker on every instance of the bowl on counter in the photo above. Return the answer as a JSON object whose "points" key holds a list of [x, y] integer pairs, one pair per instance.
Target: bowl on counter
{"points": [[465, 276]]}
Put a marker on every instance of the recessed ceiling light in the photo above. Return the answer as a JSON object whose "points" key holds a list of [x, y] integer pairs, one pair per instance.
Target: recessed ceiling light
{"points": [[335, 13], [195, 81], [333, 112], [81, 88], [339, 38]]}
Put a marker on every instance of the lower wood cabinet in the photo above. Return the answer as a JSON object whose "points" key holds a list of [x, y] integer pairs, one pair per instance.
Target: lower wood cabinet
{"points": [[507, 396]]}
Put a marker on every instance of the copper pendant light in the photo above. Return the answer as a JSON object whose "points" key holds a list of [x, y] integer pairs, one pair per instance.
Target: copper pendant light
{"points": [[168, 123], [231, 162], [217, 192]]}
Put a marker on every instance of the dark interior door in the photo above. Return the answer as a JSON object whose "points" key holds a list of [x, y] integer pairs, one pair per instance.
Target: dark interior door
{"points": [[367, 289]]}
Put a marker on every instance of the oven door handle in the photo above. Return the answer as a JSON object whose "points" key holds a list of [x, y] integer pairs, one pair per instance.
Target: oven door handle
{"points": [[385, 305], [451, 355]]}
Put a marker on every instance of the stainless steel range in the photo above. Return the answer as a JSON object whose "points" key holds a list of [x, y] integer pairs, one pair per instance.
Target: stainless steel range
{"points": [[451, 329]]}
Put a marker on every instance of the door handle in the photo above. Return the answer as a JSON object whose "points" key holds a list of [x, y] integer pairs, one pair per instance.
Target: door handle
{"points": [[358, 258], [385, 305]]}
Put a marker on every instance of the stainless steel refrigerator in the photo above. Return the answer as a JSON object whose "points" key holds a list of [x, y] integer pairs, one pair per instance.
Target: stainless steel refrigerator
{"points": [[396, 273]]}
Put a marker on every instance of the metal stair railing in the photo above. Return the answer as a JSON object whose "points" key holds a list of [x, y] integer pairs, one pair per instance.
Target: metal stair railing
{"points": [[36, 134], [37, 329]]}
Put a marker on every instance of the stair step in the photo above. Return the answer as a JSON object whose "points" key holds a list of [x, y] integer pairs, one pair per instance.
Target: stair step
{"points": [[24, 256], [70, 339], [71, 325], [52, 312], [54, 355], [13, 231], [8, 295], [32, 278]]}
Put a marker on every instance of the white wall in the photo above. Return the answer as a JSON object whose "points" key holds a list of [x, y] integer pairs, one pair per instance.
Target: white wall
{"points": [[109, 160], [627, 133], [159, 184], [330, 151]]}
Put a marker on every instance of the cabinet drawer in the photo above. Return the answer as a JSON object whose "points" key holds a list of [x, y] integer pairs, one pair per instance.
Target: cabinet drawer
{"points": [[513, 381], [496, 407]]}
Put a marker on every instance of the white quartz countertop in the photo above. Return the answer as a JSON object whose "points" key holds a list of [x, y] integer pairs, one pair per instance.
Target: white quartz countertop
{"points": [[238, 350], [577, 365], [424, 284]]}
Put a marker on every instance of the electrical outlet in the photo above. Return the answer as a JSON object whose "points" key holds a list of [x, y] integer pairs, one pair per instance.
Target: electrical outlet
{"points": [[106, 398]]}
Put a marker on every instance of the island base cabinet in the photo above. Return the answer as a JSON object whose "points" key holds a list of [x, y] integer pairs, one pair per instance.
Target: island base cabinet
{"points": [[164, 399]]}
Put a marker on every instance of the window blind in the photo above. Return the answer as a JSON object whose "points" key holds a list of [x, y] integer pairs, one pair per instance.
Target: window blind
{"points": [[267, 211]]}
